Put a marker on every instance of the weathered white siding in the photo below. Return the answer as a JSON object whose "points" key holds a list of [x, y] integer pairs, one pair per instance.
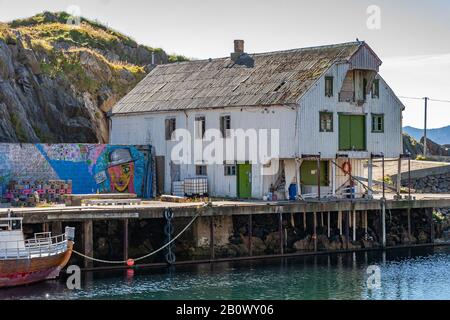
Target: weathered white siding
{"points": [[150, 129], [313, 141]]}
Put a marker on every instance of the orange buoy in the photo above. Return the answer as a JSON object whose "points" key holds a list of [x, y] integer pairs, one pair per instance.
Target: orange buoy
{"points": [[130, 262]]}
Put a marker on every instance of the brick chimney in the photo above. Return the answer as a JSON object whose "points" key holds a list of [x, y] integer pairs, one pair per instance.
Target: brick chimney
{"points": [[239, 46], [238, 49]]}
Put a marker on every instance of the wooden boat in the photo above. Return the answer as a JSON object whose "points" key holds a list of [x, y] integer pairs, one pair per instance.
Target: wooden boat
{"points": [[28, 261]]}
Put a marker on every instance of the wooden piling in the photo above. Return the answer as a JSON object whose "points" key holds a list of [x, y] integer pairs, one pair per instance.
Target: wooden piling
{"points": [[211, 241], [304, 221], [347, 229], [88, 242], [383, 222], [409, 223], [315, 230], [250, 234], [340, 222], [431, 224], [354, 224], [280, 229], [329, 223], [57, 228], [125, 239], [365, 224]]}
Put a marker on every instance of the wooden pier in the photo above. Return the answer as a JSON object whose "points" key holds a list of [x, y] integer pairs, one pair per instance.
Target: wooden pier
{"points": [[347, 215]]}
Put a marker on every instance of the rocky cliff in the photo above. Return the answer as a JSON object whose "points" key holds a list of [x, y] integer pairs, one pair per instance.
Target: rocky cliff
{"points": [[58, 80]]}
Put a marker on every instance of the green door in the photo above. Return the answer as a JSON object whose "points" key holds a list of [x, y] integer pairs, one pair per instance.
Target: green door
{"points": [[244, 181], [352, 132], [308, 173]]}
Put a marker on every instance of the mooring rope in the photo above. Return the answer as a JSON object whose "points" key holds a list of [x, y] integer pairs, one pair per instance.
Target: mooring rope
{"points": [[143, 257]]}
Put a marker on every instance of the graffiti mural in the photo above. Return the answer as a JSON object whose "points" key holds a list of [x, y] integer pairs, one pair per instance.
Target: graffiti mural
{"points": [[88, 168]]}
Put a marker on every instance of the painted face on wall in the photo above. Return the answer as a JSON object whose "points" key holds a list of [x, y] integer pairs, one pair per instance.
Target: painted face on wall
{"points": [[121, 171], [122, 177]]}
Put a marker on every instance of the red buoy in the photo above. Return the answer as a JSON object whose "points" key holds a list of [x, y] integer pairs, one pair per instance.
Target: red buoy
{"points": [[130, 262], [130, 273]]}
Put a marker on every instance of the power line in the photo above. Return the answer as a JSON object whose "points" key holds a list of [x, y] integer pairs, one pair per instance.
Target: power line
{"points": [[429, 99]]}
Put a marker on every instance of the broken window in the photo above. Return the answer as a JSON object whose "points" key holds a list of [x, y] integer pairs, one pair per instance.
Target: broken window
{"points": [[225, 126], [377, 123], [328, 86], [170, 128], [200, 126], [376, 88], [326, 122], [200, 170]]}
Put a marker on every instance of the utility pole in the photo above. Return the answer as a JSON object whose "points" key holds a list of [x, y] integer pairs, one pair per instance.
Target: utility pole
{"points": [[425, 129]]}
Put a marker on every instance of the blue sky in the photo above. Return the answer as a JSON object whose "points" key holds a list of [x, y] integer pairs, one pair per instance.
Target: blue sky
{"points": [[412, 39]]}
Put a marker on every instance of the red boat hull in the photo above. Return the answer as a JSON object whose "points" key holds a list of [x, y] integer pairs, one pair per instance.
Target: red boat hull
{"points": [[25, 271]]}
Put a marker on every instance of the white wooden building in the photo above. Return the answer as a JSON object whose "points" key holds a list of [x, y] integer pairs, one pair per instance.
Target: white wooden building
{"points": [[328, 100]]}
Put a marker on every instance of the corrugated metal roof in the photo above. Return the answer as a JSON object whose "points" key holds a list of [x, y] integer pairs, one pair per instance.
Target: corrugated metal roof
{"points": [[275, 78]]}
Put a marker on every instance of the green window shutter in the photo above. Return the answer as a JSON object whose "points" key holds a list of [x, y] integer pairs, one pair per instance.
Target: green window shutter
{"points": [[344, 132], [358, 132], [352, 132]]}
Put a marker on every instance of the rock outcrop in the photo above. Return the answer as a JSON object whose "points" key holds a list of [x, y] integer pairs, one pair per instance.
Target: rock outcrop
{"points": [[59, 81]]}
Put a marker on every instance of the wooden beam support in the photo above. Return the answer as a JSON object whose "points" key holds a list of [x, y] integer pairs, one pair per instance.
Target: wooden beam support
{"points": [[329, 224], [365, 225], [57, 228], [125, 239], [88, 242], [250, 234], [408, 211], [354, 225], [347, 229], [304, 221], [383, 222], [315, 231], [431, 224], [211, 241], [280, 229]]}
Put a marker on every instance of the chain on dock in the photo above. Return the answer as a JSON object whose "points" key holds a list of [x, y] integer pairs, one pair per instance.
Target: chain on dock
{"points": [[145, 256]]}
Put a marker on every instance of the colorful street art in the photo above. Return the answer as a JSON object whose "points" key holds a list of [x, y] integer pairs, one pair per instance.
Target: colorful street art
{"points": [[90, 168]]}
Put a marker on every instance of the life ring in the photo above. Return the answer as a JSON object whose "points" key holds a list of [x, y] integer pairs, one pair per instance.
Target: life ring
{"points": [[347, 167]]}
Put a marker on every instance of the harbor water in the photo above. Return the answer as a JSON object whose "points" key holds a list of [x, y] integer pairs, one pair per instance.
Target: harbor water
{"points": [[419, 273]]}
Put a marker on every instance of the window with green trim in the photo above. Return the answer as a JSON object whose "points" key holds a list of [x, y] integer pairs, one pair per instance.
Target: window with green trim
{"points": [[377, 123], [326, 122]]}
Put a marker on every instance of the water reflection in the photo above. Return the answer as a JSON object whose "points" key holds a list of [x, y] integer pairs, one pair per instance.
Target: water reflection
{"points": [[405, 274]]}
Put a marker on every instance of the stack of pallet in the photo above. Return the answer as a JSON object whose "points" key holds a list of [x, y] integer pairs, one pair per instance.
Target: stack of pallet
{"points": [[29, 192]]}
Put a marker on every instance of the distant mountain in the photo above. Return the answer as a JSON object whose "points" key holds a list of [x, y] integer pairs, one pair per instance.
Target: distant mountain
{"points": [[440, 135]]}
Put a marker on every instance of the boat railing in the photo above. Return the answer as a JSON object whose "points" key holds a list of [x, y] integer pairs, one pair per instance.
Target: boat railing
{"points": [[42, 245], [11, 223]]}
